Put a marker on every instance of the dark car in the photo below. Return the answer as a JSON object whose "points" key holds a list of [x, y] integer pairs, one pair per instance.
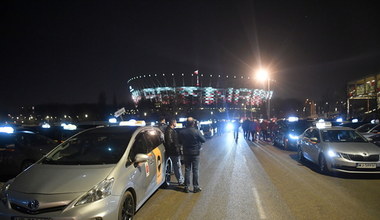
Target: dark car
{"points": [[286, 133], [54, 132], [207, 130], [20, 149]]}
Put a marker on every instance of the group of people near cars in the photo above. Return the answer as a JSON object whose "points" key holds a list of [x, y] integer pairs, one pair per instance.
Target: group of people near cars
{"points": [[255, 130], [190, 139]]}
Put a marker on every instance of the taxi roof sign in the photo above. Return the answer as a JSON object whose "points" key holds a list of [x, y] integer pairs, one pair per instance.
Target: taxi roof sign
{"points": [[293, 119], [323, 124], [119, 112], [132, 123]]}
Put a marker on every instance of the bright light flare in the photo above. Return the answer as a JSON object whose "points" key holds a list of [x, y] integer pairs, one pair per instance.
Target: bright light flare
{"points": [[262, 75], [229, 126], [112, 120], [6, 129], [205, 122], [182, 119], [332, 153], [70, 127], [294, 137], [293, 119], [45, 125]]}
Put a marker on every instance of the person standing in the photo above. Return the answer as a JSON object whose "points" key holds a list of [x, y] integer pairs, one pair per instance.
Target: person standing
{"points": [[264, 129], [236, 124], [173, 150], [252, 129], [162, 124], [245, 127], [191, 139]]}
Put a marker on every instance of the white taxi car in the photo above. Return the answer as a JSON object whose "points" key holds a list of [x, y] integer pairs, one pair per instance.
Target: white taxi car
{"points": [[338, 149], [103, 173]]}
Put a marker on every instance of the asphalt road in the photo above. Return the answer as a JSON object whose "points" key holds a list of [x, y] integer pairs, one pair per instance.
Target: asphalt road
{"points": [[245, 180]]}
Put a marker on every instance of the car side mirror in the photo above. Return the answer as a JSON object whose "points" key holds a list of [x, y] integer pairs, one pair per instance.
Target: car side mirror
{"points": [[141, 158]]}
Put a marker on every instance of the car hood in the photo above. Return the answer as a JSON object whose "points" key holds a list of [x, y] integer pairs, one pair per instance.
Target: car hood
{"points": [[355, 148], [52, 179]]}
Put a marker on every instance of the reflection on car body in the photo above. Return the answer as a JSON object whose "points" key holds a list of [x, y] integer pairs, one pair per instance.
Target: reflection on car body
{"points": [[368, 129], [339, 149], [375, 139], [102, 173]]}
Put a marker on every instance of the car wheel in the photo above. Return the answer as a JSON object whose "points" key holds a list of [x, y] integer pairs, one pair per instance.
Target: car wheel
{"points": [[323, 165], [26, 164], [127, 210], [301, 158], [168, 172]]}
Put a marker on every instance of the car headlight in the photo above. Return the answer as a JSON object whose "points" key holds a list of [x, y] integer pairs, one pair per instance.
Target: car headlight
{"points": [[292, 136], [332, 153], [100, 191]]}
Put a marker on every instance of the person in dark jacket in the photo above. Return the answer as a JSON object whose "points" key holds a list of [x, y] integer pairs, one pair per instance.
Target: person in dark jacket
{"points": [[237, 125], [245, 127], [173, 150], [162, 124], [191, 139]]}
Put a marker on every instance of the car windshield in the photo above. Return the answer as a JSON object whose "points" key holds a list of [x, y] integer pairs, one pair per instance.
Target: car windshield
{"points": [[341, 136], [99, 146]]}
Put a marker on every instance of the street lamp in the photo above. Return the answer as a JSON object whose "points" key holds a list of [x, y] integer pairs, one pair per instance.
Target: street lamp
{"points": [[263, 75]]}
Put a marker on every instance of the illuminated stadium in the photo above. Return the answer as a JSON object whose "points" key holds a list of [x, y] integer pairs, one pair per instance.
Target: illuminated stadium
{"points": [[205, 90]]}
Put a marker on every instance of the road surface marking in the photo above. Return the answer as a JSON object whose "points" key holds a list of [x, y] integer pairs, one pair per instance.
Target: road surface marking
{"points": [[258, 204]]}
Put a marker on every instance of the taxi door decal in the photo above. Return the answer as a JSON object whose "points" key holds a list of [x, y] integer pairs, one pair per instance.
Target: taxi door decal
{"points": [[146, 169], [157, 153]]}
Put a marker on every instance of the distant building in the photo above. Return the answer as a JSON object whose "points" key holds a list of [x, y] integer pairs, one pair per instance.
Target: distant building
{"points": [[309, 109], [197, 90], [363, 95]]}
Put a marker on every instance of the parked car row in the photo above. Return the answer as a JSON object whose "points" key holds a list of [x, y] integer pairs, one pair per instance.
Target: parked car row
{"points": [[339, 149], [332, 148]]}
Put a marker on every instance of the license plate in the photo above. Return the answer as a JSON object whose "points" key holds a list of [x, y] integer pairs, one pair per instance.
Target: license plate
{"points": [[29, 218], [366, 165]]}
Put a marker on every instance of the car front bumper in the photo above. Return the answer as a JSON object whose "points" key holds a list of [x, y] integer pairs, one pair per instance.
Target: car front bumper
{"points": [[104, 209], [349, 166]]}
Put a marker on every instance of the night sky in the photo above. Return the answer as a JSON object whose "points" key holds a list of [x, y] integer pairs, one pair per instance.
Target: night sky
{"points": [[70, 51]]}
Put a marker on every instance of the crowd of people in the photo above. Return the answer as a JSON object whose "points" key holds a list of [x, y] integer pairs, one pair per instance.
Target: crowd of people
{"points": [[255, 130]]}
